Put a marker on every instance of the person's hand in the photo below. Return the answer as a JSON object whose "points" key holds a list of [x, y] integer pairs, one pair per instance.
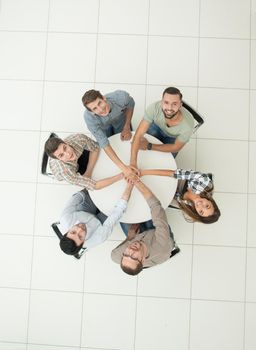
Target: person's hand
{"points": [[126, 134], [143, 143], [131, 174], [133, 231], [88, 173]]}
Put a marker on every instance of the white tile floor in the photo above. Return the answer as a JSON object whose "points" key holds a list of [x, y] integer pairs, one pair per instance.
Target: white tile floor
{"points": [[51, 52]]}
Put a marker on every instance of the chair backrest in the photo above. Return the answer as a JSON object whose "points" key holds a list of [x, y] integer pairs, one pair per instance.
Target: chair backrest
{"points": [[60, 236], [45, 159], [198, 118]]}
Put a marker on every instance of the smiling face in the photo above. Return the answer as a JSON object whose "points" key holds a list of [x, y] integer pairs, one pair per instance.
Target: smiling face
{"points": [[100, 106], [77, 233], [135, 253], [65, 153], [171, 105], [203, 206]]}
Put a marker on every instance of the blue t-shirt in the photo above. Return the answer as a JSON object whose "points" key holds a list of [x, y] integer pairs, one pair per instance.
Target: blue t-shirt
{"points": [[119, 101]]}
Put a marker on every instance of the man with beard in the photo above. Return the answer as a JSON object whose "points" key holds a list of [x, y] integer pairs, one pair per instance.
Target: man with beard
{"points": [[168, 121]]}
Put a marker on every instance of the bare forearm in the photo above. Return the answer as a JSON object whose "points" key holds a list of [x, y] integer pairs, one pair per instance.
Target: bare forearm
{"points": [[167, 147], [93, 157], [127, 192], [141, 130], [108, 181], [159, 172], [113, 156], [134, 151], [128, 117], [144, 190]]}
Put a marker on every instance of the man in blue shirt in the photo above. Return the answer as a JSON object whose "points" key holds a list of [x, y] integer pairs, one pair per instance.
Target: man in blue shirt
{"points": [[109, 115]]}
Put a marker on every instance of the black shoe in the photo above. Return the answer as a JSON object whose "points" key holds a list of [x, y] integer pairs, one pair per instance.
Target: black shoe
{"points": [[175, 250]]}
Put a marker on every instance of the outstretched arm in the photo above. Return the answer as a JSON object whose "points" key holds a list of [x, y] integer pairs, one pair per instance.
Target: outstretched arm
{"points": [[93, 157], [144, 190], [108, 181], [169, 147], [129, 172], [127, 192], [141, 130], [159, 172], [126, 132], [105, 230]]}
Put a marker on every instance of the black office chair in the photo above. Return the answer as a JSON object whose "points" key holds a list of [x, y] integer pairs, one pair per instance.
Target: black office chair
{"points": [[199, 120], [45, 159], [60, 236]]}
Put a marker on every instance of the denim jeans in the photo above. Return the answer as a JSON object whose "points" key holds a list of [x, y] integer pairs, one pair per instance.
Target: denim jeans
{"points": [[144, 226], [88, 206], [117, 128], [154, 130]]}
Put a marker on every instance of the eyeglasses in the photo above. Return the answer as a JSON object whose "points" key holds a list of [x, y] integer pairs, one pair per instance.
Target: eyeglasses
{"points": [[131, 257]]}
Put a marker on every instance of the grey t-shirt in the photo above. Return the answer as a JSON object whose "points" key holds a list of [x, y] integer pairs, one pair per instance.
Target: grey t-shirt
{"points": [[119, 100], [182, 131]]}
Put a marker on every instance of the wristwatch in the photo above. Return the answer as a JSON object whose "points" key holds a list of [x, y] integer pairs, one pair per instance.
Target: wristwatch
{"points": [[149, 146]]}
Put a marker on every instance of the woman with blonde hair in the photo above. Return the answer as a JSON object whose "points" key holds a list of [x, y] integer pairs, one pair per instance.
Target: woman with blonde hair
{"points": [[193, 195]]}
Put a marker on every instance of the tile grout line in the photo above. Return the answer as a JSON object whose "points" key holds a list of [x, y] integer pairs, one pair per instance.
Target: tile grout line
{"points": [[36, 187], [196, 141], [145, 101], [84, 294], [126, 83], [248, 178], [131, 295], [126, 34]]}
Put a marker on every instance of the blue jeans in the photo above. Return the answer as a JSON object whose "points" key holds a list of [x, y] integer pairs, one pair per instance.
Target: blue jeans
{"points": [[154, 130], [88, 206], [117, 128], [144, 226]]}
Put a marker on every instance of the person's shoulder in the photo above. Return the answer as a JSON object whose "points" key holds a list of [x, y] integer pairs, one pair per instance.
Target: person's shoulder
{"points": [[73, 137], [154, 108], [89, 117], [187, 115], [117, 95], [53, 162]]}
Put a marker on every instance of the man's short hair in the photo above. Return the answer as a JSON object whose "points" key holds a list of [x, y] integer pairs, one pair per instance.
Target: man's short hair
{"points": [[172, 91], [68, 246], [90, 96], [51, 145], [131, 271]]}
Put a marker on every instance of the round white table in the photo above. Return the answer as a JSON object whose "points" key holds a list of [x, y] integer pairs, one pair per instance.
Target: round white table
{"points": [[163, 187]]}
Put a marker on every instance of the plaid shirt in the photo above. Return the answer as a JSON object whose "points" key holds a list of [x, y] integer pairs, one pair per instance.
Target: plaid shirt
{"points": [[196, 181], [68, 171]]}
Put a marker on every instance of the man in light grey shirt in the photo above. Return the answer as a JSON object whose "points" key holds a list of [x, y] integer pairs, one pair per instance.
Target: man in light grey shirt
{"points": [[85, 225]]}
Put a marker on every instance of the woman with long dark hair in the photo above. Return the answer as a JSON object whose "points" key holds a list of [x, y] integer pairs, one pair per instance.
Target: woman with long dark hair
{"points": [[193, 195]]}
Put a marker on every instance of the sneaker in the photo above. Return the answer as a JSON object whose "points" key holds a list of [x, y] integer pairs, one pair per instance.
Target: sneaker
{"points": [[175, 250]]}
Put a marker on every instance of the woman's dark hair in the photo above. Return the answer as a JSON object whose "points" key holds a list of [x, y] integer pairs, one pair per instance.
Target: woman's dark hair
{"points": [[51, 145], [68, 246], [190, 211], [132, 271], [90, 96]]}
